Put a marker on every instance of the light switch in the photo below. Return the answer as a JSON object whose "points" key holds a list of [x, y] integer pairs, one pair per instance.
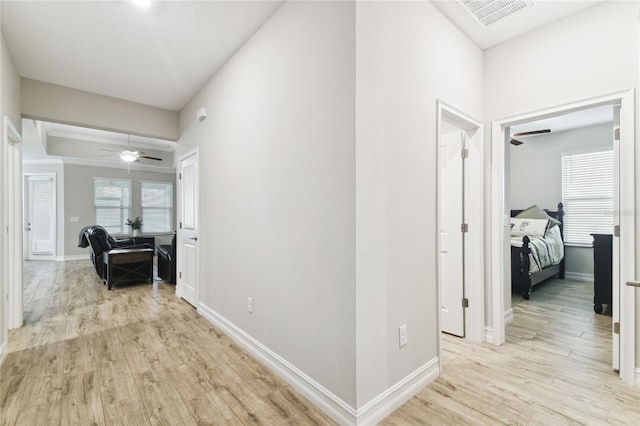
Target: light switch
{"points": [[74, 219]]}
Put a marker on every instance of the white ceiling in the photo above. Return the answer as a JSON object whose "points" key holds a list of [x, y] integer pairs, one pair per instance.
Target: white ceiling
{"points": [[160, 55], [542, 12], [573, 120]]}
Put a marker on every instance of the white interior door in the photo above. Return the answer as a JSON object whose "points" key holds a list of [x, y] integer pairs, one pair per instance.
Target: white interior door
{"points": [[451, 259], [615, 259], [41, 217], [188, 230]]}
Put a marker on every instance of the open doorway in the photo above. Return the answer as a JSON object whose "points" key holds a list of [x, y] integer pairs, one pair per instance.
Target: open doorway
{"points": [[623, 250]]}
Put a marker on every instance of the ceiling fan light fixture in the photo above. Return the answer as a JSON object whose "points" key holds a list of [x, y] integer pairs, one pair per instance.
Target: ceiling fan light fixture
{"points": [[128, 156], [141, 3]]}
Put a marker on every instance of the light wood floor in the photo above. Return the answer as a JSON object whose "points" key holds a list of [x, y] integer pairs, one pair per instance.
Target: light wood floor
{"points": [[555, 369], [138, 355]]}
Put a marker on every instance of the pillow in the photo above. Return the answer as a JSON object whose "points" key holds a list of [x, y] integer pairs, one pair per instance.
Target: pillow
{"points": [[533, 228], [535, 212]]}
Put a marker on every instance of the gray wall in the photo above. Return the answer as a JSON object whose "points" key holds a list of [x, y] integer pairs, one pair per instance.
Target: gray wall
{"points": [[78, 200], [536, 176], [310, 141], [277, 189], [48, 102]]}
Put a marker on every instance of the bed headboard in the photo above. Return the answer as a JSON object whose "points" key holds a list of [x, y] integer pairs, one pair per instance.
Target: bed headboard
{"points": [[558, 214]]}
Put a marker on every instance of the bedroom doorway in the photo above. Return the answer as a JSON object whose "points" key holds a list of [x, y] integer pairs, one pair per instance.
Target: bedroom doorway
{"points": [[459, 192], [623, 349]]}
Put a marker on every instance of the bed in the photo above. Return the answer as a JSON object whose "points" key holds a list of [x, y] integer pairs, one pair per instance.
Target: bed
{"points": [[537, 251]]}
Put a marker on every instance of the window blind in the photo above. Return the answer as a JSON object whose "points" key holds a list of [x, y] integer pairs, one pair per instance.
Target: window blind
{"points": [[112, 204], [587, 195], [157, 207]]}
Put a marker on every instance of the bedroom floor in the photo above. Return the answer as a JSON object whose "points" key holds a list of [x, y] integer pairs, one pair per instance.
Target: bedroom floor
{"points": [[555, 369]]}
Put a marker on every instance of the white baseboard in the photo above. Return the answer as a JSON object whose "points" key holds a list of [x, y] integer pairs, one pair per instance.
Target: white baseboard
{"points": [[488, 334], [577, 276], [72, 257], [508, 316], [637, 380], [387, 402], [329, 403]]}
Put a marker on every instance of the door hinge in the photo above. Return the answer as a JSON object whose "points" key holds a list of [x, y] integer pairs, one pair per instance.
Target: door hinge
{"points": [[464, 153], [180, 225], [180, 275], [464, 227], [616, 134], [616, 327], [616, 231], [465, 302], [180, 176]]}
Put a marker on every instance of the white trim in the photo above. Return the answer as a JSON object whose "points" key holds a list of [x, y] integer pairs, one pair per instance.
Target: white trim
{"points": [[488, 335], [12, 221], [43, 161], [341, 412], [578, 276], [125, 166], [627, 191], [72, 257], [637, 380], [508, 316], [3, 351], [474, 202]]}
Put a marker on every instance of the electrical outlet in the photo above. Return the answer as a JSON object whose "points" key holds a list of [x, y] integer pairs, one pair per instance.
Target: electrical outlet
{"points": [[250, 305], [403, 335], [74, 219]]}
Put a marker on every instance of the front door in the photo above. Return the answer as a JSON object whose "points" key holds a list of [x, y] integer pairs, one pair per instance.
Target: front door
{"points": [[40, 217], [451, 256], [188, 230]]}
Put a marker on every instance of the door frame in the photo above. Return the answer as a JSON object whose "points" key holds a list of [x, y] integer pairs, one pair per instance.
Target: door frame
{"points": [[179, 236], [12, 223], [474, 202], [627, 190], [27, 211]]}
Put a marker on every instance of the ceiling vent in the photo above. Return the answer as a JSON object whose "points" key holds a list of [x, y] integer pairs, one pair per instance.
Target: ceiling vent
{"points": [[487, 12]]}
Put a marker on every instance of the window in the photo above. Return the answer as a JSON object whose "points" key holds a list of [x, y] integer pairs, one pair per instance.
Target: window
{"points": [[112, 204], [587, 195], [157, 207]]}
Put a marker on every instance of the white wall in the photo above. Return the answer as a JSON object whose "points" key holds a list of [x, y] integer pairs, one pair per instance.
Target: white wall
{"points": [[408, 56], [590, 54], [49, 102], [536, 177], [9, 106], [277, 190]]}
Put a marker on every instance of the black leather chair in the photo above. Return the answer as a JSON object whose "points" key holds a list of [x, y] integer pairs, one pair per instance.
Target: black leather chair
{"points": [[167, 261], [99, 240]]}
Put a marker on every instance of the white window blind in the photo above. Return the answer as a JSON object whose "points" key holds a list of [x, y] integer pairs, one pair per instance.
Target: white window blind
{"points": [[157, 207], [587, 195], [112, 203]]}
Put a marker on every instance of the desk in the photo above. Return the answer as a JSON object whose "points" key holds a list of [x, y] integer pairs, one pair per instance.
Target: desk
{"points": [[127, 266]]}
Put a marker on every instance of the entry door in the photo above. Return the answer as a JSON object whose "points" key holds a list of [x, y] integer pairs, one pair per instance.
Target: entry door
{"points": [[41, 217], [188, 230], [451, 213]]}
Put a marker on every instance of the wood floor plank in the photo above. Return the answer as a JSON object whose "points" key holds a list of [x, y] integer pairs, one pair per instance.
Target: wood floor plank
{"points": [[137, 355]]}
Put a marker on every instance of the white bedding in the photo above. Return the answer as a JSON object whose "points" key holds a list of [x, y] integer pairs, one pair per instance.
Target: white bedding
{"points": [[545, 251]]}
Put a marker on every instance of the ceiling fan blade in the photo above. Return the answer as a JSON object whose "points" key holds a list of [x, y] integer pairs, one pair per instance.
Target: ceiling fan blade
{"points": [[533, 132], [150, 158], [108, 150], [515, 142]]}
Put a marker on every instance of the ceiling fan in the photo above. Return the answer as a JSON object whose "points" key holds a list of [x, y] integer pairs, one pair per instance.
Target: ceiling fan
{"points": [[128, 155], [517, 142]]}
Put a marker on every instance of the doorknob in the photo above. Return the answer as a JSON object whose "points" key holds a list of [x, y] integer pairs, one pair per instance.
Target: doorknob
{"points": [[194, 238], [633, 283]]}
